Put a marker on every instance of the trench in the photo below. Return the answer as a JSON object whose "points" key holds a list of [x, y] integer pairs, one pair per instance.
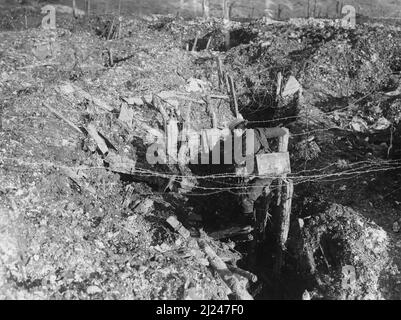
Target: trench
{"points": [[219, 40]]}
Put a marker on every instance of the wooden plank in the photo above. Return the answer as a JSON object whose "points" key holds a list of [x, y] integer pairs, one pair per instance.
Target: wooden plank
{"points": [[92, 131], [283, 141], [273, 164], [126, 114], [286, 191], [177, 226]]}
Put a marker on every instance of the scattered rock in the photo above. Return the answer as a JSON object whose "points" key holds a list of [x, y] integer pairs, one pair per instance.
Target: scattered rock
{"points": [[291, 88], [195, 85], [91, 290]]}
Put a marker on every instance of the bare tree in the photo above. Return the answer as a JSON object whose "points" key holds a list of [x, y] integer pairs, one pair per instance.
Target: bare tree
{"points": [[314, 9], [206, 8], [74, 9], [226, 13], [272, 6], [230, 9]]}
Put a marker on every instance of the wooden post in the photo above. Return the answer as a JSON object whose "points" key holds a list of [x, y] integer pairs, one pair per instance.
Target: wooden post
{"points": [[220, 72], [111, 59], [211, 112], [284, 203], [26, 19], [279, 83]]}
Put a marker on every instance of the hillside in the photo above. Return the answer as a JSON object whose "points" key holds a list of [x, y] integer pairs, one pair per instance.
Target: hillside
{"points": [[85, 213]]}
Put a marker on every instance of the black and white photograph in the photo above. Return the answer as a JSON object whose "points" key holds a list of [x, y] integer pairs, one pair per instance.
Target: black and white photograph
{"points": [[213, 151]]}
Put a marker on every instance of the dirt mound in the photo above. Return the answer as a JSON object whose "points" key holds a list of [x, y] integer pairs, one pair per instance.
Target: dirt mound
{"points": [[346, 255]]}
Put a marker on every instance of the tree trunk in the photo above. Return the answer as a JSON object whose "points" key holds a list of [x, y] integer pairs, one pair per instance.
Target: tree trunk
{"points": [[314, 8], [226, 13], [268, 10], [308, 9], [230, 9], [74, 8], [206, 8]]}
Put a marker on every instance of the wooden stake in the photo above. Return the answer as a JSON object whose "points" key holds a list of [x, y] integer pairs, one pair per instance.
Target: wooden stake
{"points": [[195, 42], [234, 96], [58, 114], [220, 72], [211, 111], [111, 30], [120, 20], [208, 43], [227, 84], [279, 82], [111, 59]]}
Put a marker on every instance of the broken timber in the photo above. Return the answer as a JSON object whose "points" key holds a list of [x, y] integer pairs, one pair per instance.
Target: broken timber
{"points": [[233, 283], [231, 232], [120, 164], [284, 202], [92, 131], [227, 276]]}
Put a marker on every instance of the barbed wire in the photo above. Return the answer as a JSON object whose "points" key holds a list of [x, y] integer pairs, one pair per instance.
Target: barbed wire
{"points": [[361, 168]]}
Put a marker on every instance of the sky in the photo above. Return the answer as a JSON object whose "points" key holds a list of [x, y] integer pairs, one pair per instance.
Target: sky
{"points": [[244, 8]]}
